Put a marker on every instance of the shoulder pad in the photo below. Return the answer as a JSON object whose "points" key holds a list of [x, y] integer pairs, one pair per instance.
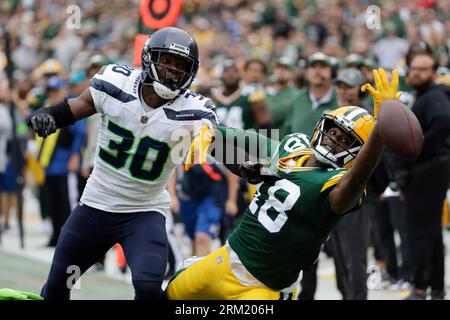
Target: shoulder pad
{"points": [[193, 97], [295, 141], [115, 74], [114, 80], [198, 100]]}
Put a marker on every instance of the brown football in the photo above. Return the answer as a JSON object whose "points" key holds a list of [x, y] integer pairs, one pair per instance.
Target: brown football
{"points": [[400, 130]]}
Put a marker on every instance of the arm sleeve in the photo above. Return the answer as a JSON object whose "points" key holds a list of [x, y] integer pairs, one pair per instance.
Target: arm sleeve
{"points": [[255, 146], [234, 168]]}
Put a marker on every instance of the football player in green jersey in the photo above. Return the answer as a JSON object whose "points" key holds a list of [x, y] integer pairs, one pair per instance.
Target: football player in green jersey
{"points": [[302, 193]]}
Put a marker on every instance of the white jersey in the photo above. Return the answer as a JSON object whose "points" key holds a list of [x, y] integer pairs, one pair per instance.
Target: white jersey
{"points": [[138, 147]]}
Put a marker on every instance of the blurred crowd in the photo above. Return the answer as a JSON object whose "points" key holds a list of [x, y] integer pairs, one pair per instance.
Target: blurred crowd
{"points": [[275, 64]]}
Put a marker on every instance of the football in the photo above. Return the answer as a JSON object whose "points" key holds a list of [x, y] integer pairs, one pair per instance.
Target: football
{"points": [[400, 130]]}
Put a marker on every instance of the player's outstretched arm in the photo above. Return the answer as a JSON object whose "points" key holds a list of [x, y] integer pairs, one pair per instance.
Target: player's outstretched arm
{"points": [[257, 146], [47, 120], [349, 190], [243, 145], [229, 141]]}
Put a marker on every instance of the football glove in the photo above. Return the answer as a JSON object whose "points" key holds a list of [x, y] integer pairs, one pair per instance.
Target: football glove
{"points": [[251, 172], [199, 147], [43, 124], [384, 91]]}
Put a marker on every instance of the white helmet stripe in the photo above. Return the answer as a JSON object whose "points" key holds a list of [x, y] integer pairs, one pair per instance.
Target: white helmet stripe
{"points": [[354, 114]]}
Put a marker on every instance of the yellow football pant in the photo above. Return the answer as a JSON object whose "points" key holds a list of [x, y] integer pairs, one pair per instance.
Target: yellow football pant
{"points": [[212, 279]]}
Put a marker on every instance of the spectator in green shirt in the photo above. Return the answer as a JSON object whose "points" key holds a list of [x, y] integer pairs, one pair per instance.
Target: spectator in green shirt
{"points": [[320, 96]]}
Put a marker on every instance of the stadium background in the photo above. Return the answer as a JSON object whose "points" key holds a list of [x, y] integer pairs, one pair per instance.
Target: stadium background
{"points": [[268, 30]]}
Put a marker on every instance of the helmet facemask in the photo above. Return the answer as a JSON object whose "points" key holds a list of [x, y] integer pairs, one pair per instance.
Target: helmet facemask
{"points": [[167, 87]]}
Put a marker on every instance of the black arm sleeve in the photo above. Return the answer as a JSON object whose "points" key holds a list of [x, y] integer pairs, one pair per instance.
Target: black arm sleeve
{"points": [[61, 112], [254, 146], [235, 168], [239, 166]]}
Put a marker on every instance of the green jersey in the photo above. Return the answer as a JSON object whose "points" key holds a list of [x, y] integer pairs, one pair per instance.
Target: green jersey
{"points": [[282, 230]]}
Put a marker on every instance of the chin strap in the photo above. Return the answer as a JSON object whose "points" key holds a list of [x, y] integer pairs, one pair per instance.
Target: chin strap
{"points": [[160, 89], [165, 92]]}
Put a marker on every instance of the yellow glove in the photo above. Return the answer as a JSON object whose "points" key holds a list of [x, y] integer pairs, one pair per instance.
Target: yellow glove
{"points": [[385, 90], [199, 147]]}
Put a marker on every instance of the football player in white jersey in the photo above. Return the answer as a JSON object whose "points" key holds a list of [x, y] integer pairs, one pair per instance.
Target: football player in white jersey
{"points": [[125, 200]]}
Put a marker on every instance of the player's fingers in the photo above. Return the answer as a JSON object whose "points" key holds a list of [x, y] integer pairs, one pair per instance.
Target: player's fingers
{"points": [[51, 127], [189, 158], [46, 126], [376, 77], [40, 124], [383, 78], [394, 80], [190, 155], [189, 162], [34, 124], [368, 87]]}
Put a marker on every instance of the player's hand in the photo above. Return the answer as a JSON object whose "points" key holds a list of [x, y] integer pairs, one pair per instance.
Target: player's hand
{"points": [[252, 172], [199, 147], [43, 124], [384, 91]]}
